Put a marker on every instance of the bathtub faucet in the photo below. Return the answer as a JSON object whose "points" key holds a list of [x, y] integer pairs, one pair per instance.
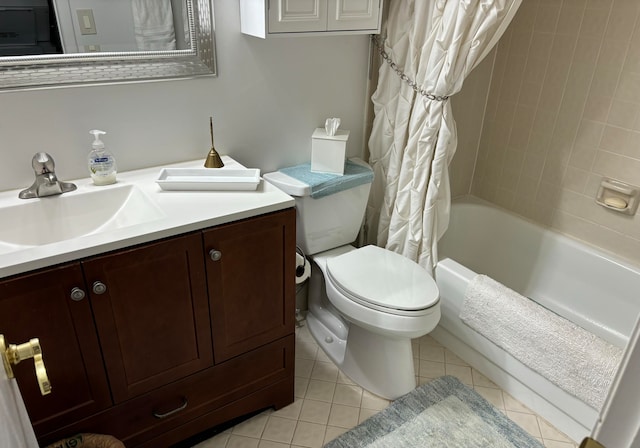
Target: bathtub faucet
{"points": [[46, 183]]}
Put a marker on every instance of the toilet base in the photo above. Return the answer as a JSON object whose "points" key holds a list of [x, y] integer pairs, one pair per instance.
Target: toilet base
{"points": [[380, 364]]}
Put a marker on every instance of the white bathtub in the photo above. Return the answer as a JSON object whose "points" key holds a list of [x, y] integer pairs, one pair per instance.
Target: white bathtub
{"points": [[580, 283]]}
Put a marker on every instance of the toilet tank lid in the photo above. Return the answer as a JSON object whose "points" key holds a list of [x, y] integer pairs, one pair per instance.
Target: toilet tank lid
{"points": [[288, 184], [299, 180]]}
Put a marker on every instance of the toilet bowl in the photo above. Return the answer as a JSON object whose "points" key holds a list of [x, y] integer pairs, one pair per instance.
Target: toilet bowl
{"points": [[365, 304], [364, 320]]}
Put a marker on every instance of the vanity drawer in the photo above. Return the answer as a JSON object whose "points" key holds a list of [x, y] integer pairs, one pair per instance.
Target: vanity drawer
{"points": [[157, 412], [276, 395]]}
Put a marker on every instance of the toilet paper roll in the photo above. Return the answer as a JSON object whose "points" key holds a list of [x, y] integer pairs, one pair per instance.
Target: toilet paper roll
{"points": [[303, 269]]}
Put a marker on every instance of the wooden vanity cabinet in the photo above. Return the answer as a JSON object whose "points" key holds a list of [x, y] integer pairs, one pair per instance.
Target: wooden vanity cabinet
{"points": [[170, 338], [40, 305], [249, 270], [151, 310]]}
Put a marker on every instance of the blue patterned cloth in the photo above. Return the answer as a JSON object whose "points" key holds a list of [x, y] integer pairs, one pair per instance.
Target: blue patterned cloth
{"points": [[324, 184]]}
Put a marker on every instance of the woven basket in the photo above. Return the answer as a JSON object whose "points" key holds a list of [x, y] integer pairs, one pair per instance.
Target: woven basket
{"points": [[88, 441]]}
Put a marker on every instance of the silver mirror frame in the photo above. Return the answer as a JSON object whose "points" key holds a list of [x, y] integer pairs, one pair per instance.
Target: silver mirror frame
{"points": [[21, 72]]}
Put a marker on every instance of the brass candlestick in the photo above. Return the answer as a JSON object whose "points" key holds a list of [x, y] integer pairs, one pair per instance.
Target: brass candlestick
{"points": [[213, 158]]}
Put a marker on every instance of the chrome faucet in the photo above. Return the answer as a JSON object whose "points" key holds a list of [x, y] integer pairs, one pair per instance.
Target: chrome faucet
{"points": [[46, 183]]}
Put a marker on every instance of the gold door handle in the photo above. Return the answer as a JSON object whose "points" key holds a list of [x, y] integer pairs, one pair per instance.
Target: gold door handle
{"points": [[588, 442], [16, 353]]}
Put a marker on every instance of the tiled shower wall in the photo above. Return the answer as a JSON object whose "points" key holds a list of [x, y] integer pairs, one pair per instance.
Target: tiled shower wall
{"points": [[563, 112], [468, 111]]}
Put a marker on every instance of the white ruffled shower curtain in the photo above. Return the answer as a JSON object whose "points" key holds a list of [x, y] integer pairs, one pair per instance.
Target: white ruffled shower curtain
{"points": [[436, 44]]}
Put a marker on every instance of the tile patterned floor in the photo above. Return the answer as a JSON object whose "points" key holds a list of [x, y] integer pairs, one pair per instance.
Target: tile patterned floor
{"points": [[328, 403]]}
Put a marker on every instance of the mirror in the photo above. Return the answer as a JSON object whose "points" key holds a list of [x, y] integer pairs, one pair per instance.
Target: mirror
{"points": [[66, 42]]}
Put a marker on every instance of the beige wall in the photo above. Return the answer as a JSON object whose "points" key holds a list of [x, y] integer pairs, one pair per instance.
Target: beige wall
{"points": [[563, 112]]}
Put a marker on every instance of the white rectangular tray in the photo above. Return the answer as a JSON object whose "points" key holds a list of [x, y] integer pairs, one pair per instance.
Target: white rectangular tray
{"points": [[208, 179]]}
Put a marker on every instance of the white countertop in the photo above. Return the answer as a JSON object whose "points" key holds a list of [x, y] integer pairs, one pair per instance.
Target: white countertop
{"points": [[182, 211]]}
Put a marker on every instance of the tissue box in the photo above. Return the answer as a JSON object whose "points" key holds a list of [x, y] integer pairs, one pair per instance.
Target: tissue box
{"points": [[328, 152]]}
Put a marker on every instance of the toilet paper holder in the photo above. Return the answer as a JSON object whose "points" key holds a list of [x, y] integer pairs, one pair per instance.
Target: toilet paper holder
{"points": [[303, 268]]}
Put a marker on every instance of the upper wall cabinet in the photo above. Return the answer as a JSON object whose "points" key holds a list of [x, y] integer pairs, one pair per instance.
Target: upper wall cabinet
{"points": [[262, 18]]}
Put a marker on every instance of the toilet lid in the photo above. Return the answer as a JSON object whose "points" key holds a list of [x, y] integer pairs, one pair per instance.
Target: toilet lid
{"points": [[383, 278]]}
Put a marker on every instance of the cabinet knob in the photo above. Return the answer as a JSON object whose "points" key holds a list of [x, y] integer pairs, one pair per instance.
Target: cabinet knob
{"points": [[77, 294], [99, 288], [215, 255]]}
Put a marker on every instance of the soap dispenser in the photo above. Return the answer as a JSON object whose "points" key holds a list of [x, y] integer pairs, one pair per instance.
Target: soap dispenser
{"points": [[102, 165]]}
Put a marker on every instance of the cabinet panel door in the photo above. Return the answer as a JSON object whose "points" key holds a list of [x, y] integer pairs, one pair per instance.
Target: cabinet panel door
{"points": [[153, 317], [353, 15], [289, 16], [252, 284], [39, 305]]}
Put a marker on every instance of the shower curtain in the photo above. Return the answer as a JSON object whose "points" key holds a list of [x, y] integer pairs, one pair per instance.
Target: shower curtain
{"points": [[428, 48]]}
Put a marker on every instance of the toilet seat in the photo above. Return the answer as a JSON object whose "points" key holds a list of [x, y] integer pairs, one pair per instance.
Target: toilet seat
{"points": [[383, 280]]}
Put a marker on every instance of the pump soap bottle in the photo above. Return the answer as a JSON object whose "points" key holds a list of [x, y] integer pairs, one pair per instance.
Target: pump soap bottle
{"points": [[102, 165]]}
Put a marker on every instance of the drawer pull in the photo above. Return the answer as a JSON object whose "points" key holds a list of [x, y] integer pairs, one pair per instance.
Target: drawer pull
{"points": [[174, 411], [215, 255]]}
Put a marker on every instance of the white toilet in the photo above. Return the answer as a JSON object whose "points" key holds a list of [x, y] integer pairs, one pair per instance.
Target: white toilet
{"points": [[366, 304]]}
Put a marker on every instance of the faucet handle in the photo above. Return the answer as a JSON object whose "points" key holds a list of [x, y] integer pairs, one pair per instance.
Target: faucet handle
{"points": [[43, 163]]}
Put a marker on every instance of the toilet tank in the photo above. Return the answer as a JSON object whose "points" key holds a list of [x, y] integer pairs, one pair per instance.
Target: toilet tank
{"points": [[328, 222]]}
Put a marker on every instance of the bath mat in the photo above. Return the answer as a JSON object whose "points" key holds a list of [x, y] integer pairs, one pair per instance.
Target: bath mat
{"points": [[569, 356], [441, 413]]}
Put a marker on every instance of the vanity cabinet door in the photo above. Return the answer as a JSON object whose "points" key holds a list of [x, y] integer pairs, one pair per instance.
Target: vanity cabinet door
{"points": [[251, 280], [40, 305], [152, 314]]}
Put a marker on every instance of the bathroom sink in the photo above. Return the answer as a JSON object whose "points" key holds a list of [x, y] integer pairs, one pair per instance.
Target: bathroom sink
{"points": [[35, 222]]}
